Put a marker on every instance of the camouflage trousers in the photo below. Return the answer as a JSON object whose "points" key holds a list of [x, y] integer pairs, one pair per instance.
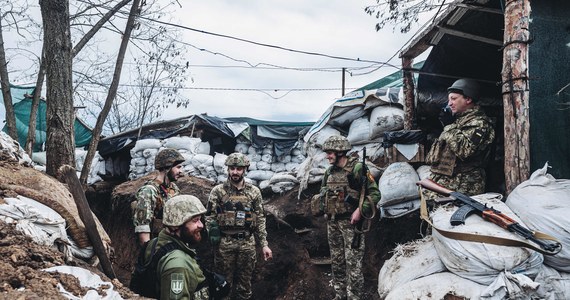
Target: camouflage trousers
{"points": [[346, 263], [469, 183], [236, 260]]}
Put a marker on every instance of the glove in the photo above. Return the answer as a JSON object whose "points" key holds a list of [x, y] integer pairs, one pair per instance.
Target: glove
{"points": [[214, 233], [446, 116]]}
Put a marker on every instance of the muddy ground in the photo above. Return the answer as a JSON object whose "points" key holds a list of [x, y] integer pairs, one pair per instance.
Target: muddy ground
{"points": [[298, 270]]}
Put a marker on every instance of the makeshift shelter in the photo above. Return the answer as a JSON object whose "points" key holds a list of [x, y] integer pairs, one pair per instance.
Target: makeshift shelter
{"points": [[22, 101], [519, 55]]}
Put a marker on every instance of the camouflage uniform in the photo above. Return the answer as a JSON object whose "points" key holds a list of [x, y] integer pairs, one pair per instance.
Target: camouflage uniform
{"points": [[147, 213], [458, 157], [180, 276], [346, 262], [237, 249]]}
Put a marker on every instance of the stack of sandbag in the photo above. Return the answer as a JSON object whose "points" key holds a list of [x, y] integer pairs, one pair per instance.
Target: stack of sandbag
{"points": [[398, 189], [98, 165], [11, 150], [385, 118], [312, 169]]}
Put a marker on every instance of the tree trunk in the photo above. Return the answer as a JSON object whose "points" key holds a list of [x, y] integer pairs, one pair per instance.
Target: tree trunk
{"points": [[60, 143], [35, 105], [112, 92], [410, 107], [516, 93], [5, 83]]}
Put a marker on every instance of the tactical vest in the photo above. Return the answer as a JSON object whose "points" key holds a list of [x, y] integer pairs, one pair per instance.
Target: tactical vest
{"points": [[444, 161], [163, 196], [337, 190], [237, 214]]}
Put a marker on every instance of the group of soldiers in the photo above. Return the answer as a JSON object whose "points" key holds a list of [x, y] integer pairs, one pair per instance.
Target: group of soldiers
{"points": [[235, 219]]}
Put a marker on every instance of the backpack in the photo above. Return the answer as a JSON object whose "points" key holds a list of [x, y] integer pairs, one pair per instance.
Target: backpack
{"points": [[144, 280]]}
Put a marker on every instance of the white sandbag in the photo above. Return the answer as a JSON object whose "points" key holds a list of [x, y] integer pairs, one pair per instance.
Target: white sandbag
{"points": [[149, 153], [410, 261], [385, 118], [296, 151], [359, 131], [39, 158], [278, 167], [543, 203], [482, 262], [139, 170], [203, 148], [89, 281], [284, 158], [263, 166], [140, 145], [292, 167], [267, 150], [250, 181], [182, 143], [190, 170], [264, 184], [259, 175], [398, 184], [254, 157], [298, 158], [554, 285], [221, 178], [423, 171], [316, 179], [202, 159], [252, 165], [283, 177], [399, 209], [241, 148], [253, 150], [267, 157], [282, 187], [135, 162], [437, 286], [220, 163], [322, 135], [510, 286], [12, 150]]}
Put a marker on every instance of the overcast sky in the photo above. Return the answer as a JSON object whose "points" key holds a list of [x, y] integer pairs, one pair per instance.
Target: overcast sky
{"points": [[337, 28]]}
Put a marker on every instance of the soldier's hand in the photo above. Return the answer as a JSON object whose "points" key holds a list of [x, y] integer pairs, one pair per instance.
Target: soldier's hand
{"points": [[267, 253]]}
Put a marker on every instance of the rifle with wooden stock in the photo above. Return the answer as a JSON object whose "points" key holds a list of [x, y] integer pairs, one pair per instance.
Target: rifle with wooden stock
{"points": [[469, 205]]}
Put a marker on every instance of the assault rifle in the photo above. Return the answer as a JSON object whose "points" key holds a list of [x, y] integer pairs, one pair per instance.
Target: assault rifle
{"points": [[355, 244], [470, 205]]}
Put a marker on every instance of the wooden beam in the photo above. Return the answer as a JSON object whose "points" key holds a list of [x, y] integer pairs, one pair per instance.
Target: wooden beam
{"points": [[480, 8], [469, 36]]}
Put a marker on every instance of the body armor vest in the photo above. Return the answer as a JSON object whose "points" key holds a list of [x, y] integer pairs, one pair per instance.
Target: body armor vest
{"points": [[337, 190], [236, 214]]}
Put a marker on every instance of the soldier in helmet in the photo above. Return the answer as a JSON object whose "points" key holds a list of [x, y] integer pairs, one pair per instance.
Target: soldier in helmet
{"points": [[342, 181], [179, 274], [459, 155], [236, 224], [151, 197]]}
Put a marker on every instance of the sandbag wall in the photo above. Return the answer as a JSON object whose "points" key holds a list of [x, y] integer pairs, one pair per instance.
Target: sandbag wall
{"points": [[266, 170]]}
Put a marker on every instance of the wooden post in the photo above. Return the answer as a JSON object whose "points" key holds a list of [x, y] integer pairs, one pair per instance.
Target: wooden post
{"points": [[68, 174], [516, 93], [409, 106]]}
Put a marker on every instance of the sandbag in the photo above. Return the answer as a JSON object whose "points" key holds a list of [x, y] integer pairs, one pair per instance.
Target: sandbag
{"points": [[259, 175], [423, 171], [437, 286], [385, 118], [140, 145], [553, 284], [543, 203], [410, 261], [398, 184], [182, 142], [482, 262], [359, 131]]}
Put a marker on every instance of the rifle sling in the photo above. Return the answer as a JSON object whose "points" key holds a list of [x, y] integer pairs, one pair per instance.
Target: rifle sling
{"points": [[483, 238]]}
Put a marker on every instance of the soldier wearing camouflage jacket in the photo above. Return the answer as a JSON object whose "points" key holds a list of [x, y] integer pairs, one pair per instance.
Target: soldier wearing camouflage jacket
{"points": [[342, 182], [151, 197], [236, 225], [459, 156]]}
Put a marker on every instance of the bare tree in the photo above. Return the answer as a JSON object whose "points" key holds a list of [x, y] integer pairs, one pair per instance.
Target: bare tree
{"points": [[401, 13], [60, 142], [5, 83]]}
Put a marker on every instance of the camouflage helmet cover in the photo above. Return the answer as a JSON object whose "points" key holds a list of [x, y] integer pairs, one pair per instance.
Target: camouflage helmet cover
{"points": [[179, 209], [167, 158], [337, 143], [237, 159]]}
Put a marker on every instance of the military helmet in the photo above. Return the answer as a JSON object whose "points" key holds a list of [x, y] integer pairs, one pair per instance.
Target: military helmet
{"points": [[237, 159], [337, 143], [167, 158], [179, 209], [465, 87]]}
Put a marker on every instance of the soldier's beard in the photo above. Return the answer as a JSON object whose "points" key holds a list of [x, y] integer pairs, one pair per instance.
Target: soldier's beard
{"points": [[190, 237], [171, 177], [236, 178]]}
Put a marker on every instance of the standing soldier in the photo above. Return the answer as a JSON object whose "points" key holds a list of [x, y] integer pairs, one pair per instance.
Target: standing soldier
{"points": [[151, 197], [236, 223], [340, 196], [459, 156]]}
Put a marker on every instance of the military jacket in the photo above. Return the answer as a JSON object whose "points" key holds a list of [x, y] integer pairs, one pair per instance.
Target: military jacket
{"points": [[222, 209], [463, 145], [151, 198], [347, 181], [179, 274]]}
